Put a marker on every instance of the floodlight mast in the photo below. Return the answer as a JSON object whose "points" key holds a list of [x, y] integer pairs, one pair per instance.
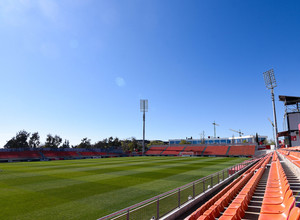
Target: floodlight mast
{"points": [[144, 108], [270, 82], [272, 127]]}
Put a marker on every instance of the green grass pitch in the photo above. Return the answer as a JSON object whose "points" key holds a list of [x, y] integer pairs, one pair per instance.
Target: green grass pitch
{"points": [[92, 188]]}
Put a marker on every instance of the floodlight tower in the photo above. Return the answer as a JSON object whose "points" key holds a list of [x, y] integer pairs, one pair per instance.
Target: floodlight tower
{"points": [[202, 137], [271, 84], [144, 108]]}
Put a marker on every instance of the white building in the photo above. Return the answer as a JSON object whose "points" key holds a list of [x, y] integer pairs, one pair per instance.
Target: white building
{"points": [[251, 139]]}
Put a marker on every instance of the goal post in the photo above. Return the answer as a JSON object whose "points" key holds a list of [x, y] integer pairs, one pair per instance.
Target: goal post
{"points": [[186, 154]]}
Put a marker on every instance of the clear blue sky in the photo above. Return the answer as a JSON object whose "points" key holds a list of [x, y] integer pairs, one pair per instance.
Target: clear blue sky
{"points": [[78, 68]]}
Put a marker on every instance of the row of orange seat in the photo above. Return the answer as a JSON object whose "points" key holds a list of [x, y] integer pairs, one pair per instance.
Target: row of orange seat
{"points": [[242, 150], [213, 208], [156, 150], [19, 154], [37, 154], [293, 156], [278, 199], [175, 150], [60, 154], [216, 150], [239, 205]]}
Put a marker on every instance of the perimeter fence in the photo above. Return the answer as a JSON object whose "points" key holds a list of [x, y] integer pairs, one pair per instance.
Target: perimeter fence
{"points": [[165, 203]]}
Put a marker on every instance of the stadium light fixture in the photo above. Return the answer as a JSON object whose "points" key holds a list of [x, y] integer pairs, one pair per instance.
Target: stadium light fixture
{"points": [[144, 108], [270, 82]]}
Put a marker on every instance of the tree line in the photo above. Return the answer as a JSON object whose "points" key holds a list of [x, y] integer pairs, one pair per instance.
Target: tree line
{"points": [[24, 139]]}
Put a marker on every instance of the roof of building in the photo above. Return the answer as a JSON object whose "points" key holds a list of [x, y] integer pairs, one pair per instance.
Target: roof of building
{"points": [[289, 100], [283, 134]]}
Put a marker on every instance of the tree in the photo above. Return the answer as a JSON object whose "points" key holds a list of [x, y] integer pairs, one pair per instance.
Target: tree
{"points": [[66, 144], [131, 145], [20, 141], [116, 142], [85, 143], [34, 140], [53, 142], [184, 142], [107, 143], [110, 142], [11, 143], [125, 145], [155, 143], [134, 145], [99, 144]]}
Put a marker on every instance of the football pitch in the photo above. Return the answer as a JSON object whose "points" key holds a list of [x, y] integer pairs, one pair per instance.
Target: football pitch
{"points": [[92, 188]]}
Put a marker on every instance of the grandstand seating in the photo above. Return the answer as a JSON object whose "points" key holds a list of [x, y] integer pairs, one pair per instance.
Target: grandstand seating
{"points": [[19, 155], [216, 150], [89, 153], [96, 154], [213, 208], [59, 154], [248, 150], [92, 153], [156, 150], [294, 157], [196, 149], [153, 152], [278, 201], [100, 153], [51, 154], [171, 152], [174, 150], [239, 205]]}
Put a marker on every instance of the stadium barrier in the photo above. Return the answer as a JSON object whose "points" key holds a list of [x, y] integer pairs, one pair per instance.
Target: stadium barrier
{"points": [[163, 204]]}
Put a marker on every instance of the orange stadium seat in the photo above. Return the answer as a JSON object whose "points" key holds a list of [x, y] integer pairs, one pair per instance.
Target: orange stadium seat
{"points": [[19, 155], [244, 150], [156, 150], [294, 214], [244, 187], [197, 150], [275, 215], [278, 198], [216, 150]]}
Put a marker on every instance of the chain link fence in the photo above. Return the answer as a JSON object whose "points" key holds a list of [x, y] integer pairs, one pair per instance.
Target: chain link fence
{"points": [[163, 204]]}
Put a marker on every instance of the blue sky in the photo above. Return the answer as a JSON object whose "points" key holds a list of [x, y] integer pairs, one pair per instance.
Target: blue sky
{"points": [[78, 68]]}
